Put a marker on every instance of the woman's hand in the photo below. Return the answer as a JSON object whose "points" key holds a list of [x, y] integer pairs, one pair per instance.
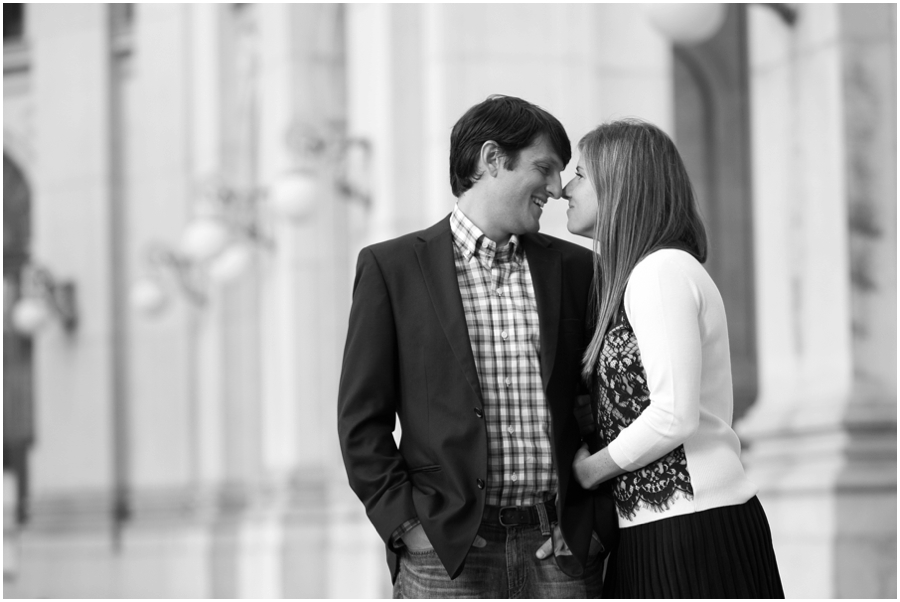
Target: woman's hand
{"points": [[591, 470], [581, 468]]}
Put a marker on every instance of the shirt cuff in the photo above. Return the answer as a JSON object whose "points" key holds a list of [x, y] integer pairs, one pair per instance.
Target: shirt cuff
{"points": [[405, 527]]}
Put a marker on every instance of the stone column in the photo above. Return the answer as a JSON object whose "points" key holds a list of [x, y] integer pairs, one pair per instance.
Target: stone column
{"points": [[822, 435], [306, 296], [169, 427], [72, 462]]}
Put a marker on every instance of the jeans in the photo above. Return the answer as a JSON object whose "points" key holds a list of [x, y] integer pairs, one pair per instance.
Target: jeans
{"points": [[504, 568]]}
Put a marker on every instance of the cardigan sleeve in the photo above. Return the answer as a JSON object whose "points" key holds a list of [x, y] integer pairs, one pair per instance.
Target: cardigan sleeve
{"points": [[663, 305]]}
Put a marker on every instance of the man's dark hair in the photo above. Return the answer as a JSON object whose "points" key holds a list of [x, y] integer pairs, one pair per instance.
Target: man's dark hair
{"points": [[513, 124]]}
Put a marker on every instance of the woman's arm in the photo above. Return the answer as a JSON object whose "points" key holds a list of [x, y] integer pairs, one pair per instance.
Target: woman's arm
{"points": [[591, 470], [663, 305]]}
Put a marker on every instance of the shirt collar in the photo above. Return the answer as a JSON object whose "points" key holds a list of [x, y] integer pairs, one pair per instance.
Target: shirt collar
{"points": [[472, 242]]}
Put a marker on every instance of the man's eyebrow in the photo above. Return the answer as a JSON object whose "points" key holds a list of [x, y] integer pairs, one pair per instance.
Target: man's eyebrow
{"points": [[549, 162]]}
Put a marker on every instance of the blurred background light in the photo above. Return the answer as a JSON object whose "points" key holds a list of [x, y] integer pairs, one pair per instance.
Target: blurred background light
{"points": [[204, 238], [232, 262], [686, 23], [44, 298], [293, 195], [148, 296], [30, 314]]}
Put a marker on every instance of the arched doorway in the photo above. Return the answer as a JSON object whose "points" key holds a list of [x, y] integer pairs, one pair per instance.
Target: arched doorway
{"points": [[18, 408], [712, 130]]}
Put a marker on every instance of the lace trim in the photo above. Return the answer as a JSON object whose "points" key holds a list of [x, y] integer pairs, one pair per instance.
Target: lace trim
{"points": [[620, 395]]}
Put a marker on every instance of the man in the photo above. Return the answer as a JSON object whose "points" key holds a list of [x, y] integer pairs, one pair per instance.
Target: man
{"points": [[472, 333]]}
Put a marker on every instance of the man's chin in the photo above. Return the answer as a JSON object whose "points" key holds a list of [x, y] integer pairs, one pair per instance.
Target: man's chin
{"points": [[532, 228], [527, 227]]}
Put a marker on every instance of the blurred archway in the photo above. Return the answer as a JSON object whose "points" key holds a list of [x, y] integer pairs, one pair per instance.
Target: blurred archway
{"points": [[18, 414], [712, 130]]}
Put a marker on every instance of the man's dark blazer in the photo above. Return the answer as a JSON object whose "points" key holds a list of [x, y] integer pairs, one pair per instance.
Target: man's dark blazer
{"points": [[408, 353]]}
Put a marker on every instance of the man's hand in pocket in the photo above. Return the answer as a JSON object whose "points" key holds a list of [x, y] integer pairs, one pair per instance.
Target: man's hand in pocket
{"points": [[415, 540], [557, 545]]}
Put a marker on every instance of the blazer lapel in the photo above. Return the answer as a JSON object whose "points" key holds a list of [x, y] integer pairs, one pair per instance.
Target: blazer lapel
{"points": [[546, 275], [435, 253]]}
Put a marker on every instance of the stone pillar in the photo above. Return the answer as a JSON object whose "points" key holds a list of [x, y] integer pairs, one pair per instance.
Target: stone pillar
{"points": [[287, 360], [388, 104], [822, 435], [166, 543], [306, 299], [72, 464]]}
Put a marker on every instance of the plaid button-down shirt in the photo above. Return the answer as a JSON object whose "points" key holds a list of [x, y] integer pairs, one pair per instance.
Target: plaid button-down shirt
{"points": [[504, 330]]}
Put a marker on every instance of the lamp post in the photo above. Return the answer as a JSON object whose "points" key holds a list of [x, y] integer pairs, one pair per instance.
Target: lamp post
{"points": [[149, 295], [220, 241], [691, 24], [44, 298]]}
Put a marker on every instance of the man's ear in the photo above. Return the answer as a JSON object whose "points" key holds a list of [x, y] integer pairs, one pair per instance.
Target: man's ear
{"points": [[491, 157]]}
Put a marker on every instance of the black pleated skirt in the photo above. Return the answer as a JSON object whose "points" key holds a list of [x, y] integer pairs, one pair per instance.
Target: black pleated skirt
{"points": [[720, 553]]}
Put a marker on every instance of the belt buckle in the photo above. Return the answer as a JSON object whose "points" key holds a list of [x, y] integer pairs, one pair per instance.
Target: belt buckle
{"points": [[500, 517]]}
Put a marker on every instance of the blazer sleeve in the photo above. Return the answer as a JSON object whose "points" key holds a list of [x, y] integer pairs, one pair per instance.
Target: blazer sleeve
{"points": [[368, 398]]}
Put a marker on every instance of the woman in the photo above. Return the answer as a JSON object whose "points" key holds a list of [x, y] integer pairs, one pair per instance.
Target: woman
{"points": [[690, 523]]}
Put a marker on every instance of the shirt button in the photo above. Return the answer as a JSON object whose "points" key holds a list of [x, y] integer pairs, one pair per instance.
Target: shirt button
{"points": [[500, 291], [510, 429], [503, 335], [508, 381], [478, 412], [480, 483], [514, 477]]}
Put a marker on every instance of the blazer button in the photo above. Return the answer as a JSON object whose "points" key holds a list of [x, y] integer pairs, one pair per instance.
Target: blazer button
{"points": [[478, 412], [480, 483]]}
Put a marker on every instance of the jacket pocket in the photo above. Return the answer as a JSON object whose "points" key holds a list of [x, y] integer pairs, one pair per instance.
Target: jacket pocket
{"points": [[427, 481], [429, 468]]}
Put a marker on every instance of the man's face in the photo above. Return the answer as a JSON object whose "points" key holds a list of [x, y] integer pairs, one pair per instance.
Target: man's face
{"points": [[523, 191]]}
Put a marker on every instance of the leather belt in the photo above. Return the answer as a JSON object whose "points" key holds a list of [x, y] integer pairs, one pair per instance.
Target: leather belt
{"points": [[510, 516]]}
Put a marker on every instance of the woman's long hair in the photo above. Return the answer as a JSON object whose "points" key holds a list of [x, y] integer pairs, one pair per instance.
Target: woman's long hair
{"points": [[645, 203]]}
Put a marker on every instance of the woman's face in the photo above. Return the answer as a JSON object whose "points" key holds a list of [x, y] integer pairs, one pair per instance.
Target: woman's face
{"points": [[582, 197]]}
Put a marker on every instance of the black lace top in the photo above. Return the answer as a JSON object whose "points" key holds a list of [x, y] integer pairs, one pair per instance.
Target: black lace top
{"points": [[619, 395]]}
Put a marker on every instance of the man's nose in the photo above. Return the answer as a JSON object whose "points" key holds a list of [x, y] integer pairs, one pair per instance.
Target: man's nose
{"points": [[554, 187]]}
